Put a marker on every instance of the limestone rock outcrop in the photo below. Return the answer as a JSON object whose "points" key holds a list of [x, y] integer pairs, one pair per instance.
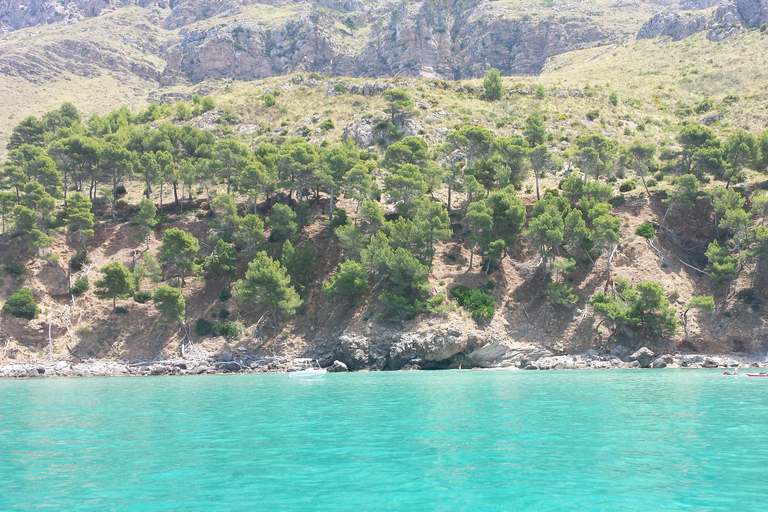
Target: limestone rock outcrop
{"points": [[675, 25], [722, 22], [446, 347], [644, 356]]}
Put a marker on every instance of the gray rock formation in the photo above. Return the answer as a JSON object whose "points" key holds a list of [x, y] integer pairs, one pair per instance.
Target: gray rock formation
{"points": [[723, 22], [338, 367], [435, 349], [644, 356], [406, 39], [753, 13], [673, 24]]}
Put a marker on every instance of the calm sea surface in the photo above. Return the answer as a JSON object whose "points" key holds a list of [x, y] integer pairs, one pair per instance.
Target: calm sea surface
{"points": [[452, 440]]}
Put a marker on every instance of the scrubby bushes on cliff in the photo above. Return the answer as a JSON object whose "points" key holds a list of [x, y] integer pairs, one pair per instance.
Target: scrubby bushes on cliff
{"points": [[640, 307], [645, 230], [21, 305], [80, 285], [478, 302], [230, 330], [392, 253]]}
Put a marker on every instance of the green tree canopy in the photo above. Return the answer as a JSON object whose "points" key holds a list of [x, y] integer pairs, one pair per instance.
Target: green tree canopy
{"points": [[535, 132], [266, 285], [169, 301], [492, 85], [117, 281], [399, 103], [350, 280], [640, 307], [178, 252], [79, 217]]}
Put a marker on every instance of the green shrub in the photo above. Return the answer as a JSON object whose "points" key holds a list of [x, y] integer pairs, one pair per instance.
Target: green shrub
{"points": [[231, 330], [645, 230], [120, 310], [225, 294], [627, 186], [142, 297], [559, 293], [80, 285], [341, 88], [78, 260], [339, 218], [478, 302], [617, 201], [641, 307], [15, 268], [21, 305], [651, 183], [269, 100], [224, 313], [203, 327], [593, 114]]}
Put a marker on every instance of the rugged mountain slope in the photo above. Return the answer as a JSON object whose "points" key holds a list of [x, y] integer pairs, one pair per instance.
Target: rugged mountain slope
{"points": [[246, 39]]}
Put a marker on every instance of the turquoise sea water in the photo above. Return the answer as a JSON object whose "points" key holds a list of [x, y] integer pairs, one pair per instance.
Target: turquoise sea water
{"points": [[470, 440]]}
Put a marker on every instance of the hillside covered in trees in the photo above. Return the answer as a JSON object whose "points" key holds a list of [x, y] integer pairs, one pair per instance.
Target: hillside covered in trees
{"points": [[138, 234]]}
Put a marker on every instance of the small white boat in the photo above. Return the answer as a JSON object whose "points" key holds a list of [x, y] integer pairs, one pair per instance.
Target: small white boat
{"points": [[312, 370]]}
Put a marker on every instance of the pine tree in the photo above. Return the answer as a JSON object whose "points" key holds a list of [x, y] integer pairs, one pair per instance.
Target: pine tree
{"points": [[178, 250], [492, 85], [267, 285], [146, 218], [350, 280], [169, 301], [79, 217], [283, 223], [222, 263], [117, 282]]}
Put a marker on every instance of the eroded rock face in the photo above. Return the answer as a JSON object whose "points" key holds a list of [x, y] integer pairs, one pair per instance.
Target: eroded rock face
{"points": [[644, 356], [19, 14], [405, 38], [82, 58], [753, 13], [411, 43], [726, 20], [673, 24], [435, 349]]}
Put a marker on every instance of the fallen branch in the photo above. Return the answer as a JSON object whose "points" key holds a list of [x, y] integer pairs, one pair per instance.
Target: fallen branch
{"points": [[528, 317], [584, 315], [658, 252], [694, 268]]}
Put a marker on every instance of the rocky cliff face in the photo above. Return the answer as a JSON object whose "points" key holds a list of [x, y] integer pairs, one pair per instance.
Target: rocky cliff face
{"points": [[260, 38], [436, 38], [19, 14], [413, 43], [726, 19]]}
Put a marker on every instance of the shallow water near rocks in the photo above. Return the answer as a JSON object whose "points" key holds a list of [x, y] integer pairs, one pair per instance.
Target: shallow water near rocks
{"points": [[451, 440]]}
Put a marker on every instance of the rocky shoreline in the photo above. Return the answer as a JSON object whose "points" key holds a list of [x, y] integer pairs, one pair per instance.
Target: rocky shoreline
{"points": [[618, 358]]}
